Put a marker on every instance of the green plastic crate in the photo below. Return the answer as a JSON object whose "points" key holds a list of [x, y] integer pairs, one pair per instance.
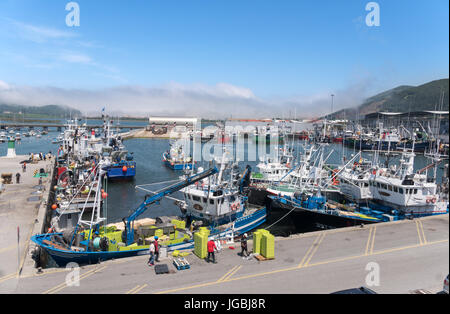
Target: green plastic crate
{"points": [[204, 230], [268, 245], [200, 244], [257, 238], [159, 232], [180, 224]]}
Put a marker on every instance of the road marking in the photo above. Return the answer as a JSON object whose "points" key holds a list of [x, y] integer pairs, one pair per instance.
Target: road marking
{"points": [[315, 250], [9, 248], [423, 231], [63, 285], [228, 272], [231, 274], [373, 240], [309, 251], [370, 241], [136, 289], [296, 268], [420, 233], [10, 276]]}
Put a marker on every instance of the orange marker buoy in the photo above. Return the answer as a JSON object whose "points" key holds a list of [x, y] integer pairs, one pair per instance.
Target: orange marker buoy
{"points": [[104, 195], [54, 206], [124, 169]]}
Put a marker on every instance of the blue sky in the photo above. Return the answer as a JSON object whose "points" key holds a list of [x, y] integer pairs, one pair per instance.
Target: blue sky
{"points": [[271, 52]]}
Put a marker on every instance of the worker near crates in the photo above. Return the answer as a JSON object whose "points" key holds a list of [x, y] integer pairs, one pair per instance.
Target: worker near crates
{"points": [[244, 245], [211, 247], [156, 249]]}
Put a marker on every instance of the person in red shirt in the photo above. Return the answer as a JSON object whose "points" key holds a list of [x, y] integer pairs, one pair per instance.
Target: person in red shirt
{"points": [[211, 248]]}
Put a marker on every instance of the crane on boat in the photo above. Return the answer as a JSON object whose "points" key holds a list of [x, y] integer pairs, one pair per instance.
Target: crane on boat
{"points": [[149, 200]]}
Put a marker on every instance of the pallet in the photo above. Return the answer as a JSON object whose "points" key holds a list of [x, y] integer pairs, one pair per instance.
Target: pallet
{"points": [[262, 258], [181, 263]]}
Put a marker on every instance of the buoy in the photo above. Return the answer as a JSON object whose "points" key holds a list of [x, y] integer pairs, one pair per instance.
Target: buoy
{"points": [[104, 195], [50, 230], [124, 168], [103, 191], [54, 206]]}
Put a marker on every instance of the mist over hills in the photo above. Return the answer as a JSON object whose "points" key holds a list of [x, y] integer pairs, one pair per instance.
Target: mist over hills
{"points": [[430, 96]]}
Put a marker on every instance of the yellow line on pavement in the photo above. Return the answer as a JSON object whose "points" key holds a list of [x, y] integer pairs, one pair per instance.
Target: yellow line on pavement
{"points": [[139, 289], [373, 240], [9, 248], [63, 285], [309, 251], [224, 276], [314, 251], [423, 232], [419, 233], [231, 274], [366, 252], [296, 268], [10, 276], [136, 289]]}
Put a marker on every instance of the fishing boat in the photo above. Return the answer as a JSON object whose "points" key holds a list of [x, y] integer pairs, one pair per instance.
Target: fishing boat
{"points": [[313, 210], [176, 159], [88, 242], [57, 140], [220, 202]]}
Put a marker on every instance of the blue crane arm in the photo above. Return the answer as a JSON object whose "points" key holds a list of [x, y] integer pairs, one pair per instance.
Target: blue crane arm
{"points": [[167, 191]]}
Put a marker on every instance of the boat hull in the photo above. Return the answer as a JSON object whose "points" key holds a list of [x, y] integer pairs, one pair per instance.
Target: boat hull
{"points": [[63, 257], [115, 172]]}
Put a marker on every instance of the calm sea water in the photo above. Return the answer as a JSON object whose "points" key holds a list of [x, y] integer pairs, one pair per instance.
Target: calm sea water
{"points": [[124, 198]]}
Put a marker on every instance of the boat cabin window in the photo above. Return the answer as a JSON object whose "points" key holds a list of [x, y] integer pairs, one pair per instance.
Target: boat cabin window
{"points": [[366, 184], [390, 187], [384, 186], [395, 189], [415, 191], [378, 185], [400, 190], [205, 200], [196, 198]]}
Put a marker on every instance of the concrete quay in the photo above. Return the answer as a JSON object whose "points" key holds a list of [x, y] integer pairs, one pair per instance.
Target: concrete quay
{"points": [[409, 255], [22, 213]]}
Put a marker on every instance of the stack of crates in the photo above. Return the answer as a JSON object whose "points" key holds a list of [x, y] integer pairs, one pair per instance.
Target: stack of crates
{"points": [[201, 243], [264, 243], [159, 233], [257, 237], [179, 224]]}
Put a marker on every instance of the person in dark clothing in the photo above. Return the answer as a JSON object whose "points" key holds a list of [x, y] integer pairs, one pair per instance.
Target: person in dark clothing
{"points": [[24, 167], [156, 249], [17, 178], [211, 247], [244, 245]]}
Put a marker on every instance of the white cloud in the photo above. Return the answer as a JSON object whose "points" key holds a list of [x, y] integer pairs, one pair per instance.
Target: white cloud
{"points": [[76, 58], [208, 101], [4, 86], [38, 34]]}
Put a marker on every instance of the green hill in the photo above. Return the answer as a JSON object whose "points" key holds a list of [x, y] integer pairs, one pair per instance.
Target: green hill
{"points": [[49, 111], [403, 99]]}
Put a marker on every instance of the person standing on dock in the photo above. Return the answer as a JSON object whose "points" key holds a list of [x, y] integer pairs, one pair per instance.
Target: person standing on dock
{"points": [[244, 245], [24, 167], [17, 178], [156, 249], [211, 248], [151, 260]]}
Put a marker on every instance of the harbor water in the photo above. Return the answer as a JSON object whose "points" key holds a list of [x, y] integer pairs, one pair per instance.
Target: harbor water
{"points": [[124, 198]]}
